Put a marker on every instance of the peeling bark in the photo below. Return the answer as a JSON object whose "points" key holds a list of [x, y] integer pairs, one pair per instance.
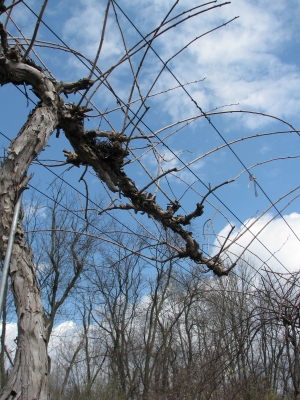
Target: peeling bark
{"points": [[30, 373], [29, 377]]}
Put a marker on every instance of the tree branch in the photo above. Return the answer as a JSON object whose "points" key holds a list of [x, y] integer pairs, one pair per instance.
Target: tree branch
{"points": [[35, 30], [73, 87], [107, 160]]}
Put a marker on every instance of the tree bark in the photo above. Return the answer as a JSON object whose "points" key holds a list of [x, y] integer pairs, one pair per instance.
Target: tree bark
{"points": [[29, 377]]}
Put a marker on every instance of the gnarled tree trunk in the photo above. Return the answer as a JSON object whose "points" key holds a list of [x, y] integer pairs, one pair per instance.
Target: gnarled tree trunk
{"points": [[30, 372], [29, 376]]}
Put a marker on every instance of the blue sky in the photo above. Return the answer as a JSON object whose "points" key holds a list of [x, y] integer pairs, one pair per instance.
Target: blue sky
{"points": [[250, 64]]}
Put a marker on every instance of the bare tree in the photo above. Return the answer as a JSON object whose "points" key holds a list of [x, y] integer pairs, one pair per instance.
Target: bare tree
{"points": [[187, 336], [280, 307], [106, 154]]}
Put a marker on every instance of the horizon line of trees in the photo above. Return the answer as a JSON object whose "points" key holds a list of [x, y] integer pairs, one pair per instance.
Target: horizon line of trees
{"points": [[160, 330]]}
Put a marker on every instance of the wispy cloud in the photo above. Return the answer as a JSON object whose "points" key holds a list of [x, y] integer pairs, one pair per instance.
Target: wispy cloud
{"points": [[277, 248], [244, 62], [83, 32]]}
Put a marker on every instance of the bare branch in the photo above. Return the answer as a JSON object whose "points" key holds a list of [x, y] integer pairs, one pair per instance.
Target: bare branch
{"points": [[157, 178], [98, 52], [4, 42], [35, 30], [101, 40], [73, 87], [86, 191]]}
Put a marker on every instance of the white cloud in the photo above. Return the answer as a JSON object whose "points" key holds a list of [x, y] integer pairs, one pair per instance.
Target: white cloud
{"points": [[10, 335], [265, 149], [275, 238], [34, 210], [243, 61], [67, 331], [83, 31]]}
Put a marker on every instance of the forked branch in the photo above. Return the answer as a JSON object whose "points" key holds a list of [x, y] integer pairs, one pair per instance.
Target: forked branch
{"points": [[106, 157]]}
